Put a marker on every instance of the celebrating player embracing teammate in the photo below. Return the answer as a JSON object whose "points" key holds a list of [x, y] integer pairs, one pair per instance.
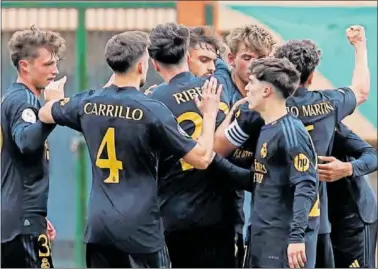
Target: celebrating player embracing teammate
{"points": [[161, 189]]}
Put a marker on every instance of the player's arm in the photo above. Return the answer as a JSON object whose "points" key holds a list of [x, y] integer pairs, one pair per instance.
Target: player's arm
{"points": [[177, 141], [223, 75], [301, 158], [361, 75], [220, 137], [28, 132], [239, 177], [64, 112], [246, 122], [348, 143], [174, 139]]}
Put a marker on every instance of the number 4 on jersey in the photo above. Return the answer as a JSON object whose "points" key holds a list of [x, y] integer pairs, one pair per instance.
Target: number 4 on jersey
{"points": [[111, 162]]}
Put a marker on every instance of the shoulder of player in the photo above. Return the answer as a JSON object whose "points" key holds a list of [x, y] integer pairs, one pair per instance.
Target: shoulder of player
{"points": [[19, 96], [330, 93], [152, 105], [293, 131], [248, 115]]}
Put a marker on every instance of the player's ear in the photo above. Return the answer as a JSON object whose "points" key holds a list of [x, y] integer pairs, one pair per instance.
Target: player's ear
{"points": [[156, 66], [187, 57], [267, 90], [231, 59], [23, 65], [310, 77], [140, 67]]}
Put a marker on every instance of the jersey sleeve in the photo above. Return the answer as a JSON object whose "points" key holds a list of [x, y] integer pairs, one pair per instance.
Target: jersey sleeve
{"points": [[301, 158], [22, 110], [66, 112], [27, 131], [172, 137], [363, 155], [223, 76], [344, 101], [246, 122]]}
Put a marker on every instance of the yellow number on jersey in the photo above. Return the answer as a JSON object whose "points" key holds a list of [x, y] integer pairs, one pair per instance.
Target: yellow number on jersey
{"points": [[45, 244], [111, 162], [309, 128], [315, 210], [197, 121]]}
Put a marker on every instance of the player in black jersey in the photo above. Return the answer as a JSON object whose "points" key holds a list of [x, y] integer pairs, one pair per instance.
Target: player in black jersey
{"points": [[24, 160], [126, 132], [320, 111], [244, 44], [351, 200], [197, 211], [283, 180], [204, 47]]}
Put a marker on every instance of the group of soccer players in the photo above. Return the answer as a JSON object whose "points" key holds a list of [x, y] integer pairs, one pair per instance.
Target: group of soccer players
{"points": [[170, 166]]}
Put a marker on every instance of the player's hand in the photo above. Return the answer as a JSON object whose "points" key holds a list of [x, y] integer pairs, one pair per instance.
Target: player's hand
{"points": [[356, 35], [296, 253], [149, 90], [51, 232], [334, 169], [55, 90], [209, 103], [238, 104]]}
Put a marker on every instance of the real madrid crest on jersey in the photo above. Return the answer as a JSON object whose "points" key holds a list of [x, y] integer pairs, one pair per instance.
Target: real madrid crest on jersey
{"points": [[264, 150], [28, 115], [237, 114], [64, 101]]}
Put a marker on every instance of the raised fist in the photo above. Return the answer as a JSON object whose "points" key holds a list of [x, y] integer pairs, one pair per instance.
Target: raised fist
{"points": [[356, 35]]}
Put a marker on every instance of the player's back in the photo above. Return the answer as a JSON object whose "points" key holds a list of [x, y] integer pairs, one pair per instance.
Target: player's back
{"points": [[124, 147], [189, 198], [320, 112]]}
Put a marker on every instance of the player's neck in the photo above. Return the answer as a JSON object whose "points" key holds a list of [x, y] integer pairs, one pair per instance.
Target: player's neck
{"points": [[126, 81], [29, 85], [271, 113], [239, 84], [168, 74], [305, 85]]}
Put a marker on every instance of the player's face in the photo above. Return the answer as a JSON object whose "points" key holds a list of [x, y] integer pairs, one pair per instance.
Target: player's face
{"points": [[202, 60], [241, 61], [255, 93], [43, 69]]}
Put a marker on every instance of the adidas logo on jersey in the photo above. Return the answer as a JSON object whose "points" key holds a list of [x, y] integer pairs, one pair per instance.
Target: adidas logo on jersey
{"points": [[355, 264]]}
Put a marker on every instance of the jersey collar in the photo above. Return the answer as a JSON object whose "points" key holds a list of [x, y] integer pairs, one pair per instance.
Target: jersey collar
{"points": [[301, 90], [184, 76]]}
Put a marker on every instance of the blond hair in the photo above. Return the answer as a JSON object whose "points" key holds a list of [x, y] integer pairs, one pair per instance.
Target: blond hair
{"points": [[23, 44], [255, 37]]}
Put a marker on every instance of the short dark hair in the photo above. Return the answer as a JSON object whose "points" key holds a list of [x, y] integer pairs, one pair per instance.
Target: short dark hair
{"points": [[281, 73], [23, 44], [123, 50], [204, 34], [169, 43], [304, 54]]}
